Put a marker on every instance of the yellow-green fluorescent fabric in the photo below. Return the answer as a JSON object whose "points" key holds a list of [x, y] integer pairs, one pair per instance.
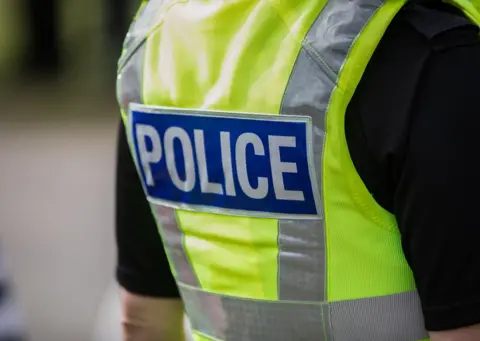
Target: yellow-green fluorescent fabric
{"points": [[340, 275]]}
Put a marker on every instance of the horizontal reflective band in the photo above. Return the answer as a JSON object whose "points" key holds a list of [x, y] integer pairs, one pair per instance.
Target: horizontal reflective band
{"points": [[226, 162], [396, 317], [236, 319]]}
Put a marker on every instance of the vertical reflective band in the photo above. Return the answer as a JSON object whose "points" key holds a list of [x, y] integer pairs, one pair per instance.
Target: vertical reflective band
{"points": [[173, 238], [302, 256], [130, 65], [301, 270], [129, 90], [129, 80], [302, 250]]}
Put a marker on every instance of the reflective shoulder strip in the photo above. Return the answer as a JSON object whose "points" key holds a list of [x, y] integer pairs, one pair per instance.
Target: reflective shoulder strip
{"points": [[139, 30], [130, 64], [130, 90]]}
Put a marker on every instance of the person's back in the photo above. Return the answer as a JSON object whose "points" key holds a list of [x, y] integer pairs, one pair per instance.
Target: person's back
{"points": [[277, 191]]}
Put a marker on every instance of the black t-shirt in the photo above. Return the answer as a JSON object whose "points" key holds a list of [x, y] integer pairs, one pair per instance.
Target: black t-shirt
{"points": [[412, 129]]}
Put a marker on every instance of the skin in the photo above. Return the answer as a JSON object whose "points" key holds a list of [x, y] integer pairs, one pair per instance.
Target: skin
{"points": [[151, 319], [471, 333]]}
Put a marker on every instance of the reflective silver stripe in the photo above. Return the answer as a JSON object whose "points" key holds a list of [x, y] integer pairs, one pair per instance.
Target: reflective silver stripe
{"points": [[302, 257], [336, 29], [395, 317], [129, 80], [173, 238], [139, 30], [236, 319], [301, 261], [129, 90]]}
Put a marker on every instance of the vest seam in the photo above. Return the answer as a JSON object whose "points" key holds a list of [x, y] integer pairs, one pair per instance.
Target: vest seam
{"points": [[147, 32], [162, 14], [305, 44], [124, 61], [320, 60], [287, 26]]}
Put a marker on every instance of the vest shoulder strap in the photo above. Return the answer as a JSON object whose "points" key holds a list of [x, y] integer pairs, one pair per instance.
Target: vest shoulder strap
{"points": [[431, 18], [139, 29]]}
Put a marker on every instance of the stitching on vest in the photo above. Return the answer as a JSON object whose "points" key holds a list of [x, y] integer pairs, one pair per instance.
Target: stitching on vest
{"points": [[319, 59]]}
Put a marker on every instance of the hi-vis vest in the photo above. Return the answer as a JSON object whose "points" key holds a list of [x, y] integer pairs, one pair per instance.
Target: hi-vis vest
{"points": [[235, 116]]}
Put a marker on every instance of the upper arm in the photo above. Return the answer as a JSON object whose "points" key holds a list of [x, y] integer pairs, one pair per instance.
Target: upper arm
{"points": [[471, 333], [142, 265], [414, 140], [437, 195]]}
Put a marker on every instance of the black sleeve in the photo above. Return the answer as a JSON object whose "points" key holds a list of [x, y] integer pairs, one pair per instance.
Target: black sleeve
{"points": [[142, 265], [413, 130], [437, 197]]}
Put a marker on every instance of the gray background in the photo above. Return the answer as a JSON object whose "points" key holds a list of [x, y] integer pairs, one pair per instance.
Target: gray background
{"points": [[57, 142]]}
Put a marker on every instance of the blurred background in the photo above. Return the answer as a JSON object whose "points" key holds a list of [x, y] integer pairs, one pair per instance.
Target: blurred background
{"points": [[57, 151]]}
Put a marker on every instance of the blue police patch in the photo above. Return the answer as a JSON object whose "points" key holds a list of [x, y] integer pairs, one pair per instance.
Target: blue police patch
{"points": [[227, 163]]}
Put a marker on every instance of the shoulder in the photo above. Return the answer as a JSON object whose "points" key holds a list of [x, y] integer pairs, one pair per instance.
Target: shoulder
{"points": [[431, 27], [434, 20], [411, 128], [424, 44]]}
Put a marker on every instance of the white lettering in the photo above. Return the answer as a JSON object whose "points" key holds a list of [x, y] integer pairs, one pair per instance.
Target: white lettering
{"points": [[148, 157], [279, 167], [240, 149], [170, 135], [152, 148], [227, 163], [205, 185]]}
